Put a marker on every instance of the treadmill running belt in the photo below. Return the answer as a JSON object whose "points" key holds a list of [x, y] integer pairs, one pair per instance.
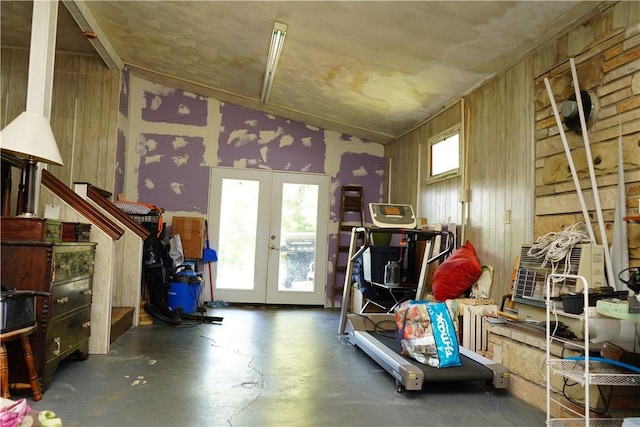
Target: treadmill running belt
{"points": [[469, 371]]}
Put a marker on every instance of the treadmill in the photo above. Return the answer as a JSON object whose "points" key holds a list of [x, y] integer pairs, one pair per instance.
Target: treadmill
{"points": [[362, 329], [362, 332]]}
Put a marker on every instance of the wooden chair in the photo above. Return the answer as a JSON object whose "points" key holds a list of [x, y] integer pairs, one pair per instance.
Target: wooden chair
{"points": [[34, 385]]}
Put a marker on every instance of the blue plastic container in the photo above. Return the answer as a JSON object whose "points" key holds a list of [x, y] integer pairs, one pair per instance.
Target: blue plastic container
{"points": [[183, 295]]}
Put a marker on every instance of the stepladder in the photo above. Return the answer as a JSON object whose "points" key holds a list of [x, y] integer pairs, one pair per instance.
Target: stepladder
{"points": [[351, 215]]}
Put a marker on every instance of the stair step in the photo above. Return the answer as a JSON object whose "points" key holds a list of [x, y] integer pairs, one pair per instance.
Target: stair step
{"points": [[121, 321], [145, 318]]}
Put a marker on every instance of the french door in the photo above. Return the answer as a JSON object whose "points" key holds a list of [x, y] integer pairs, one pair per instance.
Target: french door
{"points": [[269, 230]]}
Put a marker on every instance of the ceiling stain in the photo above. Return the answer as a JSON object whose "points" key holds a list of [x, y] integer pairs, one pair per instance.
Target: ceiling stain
{"points": [[342, 77], [399, 62]]}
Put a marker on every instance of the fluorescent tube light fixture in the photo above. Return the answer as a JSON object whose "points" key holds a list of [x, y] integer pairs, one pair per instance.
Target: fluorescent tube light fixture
{"points": [[275, 48]]}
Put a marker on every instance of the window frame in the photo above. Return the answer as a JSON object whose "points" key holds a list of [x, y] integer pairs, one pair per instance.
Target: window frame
{"points": [[440, 137]]}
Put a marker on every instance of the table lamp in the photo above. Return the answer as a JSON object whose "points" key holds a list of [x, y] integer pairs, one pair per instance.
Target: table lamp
{"points": [[30, 137]]}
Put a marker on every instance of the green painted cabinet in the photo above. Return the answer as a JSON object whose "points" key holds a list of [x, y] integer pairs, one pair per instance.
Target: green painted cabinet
{"points": [[65, 270]]}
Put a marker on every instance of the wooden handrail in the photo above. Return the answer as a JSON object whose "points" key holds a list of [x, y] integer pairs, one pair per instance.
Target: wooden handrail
{"points": [[83, 207], [97, 197]]}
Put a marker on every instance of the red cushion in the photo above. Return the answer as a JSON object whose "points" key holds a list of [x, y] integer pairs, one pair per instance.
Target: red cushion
{"points": [[457, 273]]}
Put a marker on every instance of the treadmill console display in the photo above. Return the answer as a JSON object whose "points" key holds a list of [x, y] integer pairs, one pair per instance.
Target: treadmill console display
{"points": [[385, 215]]}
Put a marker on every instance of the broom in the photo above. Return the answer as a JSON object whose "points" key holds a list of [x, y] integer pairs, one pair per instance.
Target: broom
{"points": [[209, 255]]}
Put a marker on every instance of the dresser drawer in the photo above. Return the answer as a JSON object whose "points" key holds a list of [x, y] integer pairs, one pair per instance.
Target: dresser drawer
{"points": [[65, 333], [69, 296], [35, 229], [72, 261], [75, 232]]}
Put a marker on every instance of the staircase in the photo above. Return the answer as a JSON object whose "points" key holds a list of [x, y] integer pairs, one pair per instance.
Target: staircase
{"points": [[351, 215], [121, 321], [118, 244]]}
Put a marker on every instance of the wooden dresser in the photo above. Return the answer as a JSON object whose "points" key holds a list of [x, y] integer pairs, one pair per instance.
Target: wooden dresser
{"points": [[65, 270]]}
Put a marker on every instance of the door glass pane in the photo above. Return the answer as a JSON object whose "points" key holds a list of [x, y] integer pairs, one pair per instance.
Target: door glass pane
{"points": [[238, 225], [298, 237]]}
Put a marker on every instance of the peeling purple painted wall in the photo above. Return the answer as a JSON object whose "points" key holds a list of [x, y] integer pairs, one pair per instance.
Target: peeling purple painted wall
{"points": [[121, 145], [124, 93], [355, 169], [258, 140], [118, 184], [358, 169], [172, 174], [175, 106]]}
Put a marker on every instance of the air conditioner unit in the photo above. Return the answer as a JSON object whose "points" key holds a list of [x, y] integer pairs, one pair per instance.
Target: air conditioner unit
{"points": [[531, 276]]}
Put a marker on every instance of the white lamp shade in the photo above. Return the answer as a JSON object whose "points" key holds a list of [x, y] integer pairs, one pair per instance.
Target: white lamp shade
{"points": [[30, 136]]}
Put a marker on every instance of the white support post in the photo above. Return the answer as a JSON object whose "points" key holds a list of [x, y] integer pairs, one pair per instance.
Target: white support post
{"points": [[389, 181], [594, 185], [464, 182], [84, 18], [418, 181], [619, 245], [41, 58]]}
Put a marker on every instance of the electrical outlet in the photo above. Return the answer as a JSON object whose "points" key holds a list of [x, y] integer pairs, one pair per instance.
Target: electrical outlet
{"points": [[507, 216]]}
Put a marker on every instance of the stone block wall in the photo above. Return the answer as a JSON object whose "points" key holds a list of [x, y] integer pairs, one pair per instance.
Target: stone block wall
{"points": [[609, 72], [524, 354]]}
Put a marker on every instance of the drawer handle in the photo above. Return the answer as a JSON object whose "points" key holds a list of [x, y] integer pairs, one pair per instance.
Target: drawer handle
{"points": [[86, 324], [87, 292], [57, 340], [63, 300]]}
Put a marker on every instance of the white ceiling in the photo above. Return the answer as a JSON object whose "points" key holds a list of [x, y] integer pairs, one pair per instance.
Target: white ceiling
{"points": [[373, 69]]}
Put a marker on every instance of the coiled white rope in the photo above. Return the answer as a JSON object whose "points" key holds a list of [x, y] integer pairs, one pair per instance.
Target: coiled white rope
{"points": [[557, 246]]}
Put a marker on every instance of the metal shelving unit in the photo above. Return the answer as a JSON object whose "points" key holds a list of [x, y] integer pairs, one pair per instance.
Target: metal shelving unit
{"points": [[586, 371]]}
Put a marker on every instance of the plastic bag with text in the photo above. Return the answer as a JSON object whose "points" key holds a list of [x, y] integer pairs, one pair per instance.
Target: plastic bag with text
{"points": [[427, 333]]}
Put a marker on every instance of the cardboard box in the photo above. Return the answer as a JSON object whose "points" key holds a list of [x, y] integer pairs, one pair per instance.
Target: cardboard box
{"points": [[191, 231]]}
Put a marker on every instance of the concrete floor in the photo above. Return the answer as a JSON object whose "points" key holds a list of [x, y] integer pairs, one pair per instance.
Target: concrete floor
{"points": [[260, 367]]}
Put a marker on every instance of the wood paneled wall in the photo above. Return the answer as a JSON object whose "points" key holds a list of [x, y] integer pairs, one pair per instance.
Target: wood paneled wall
{"points": [[408, 157], [84, 117], [505, 162], [500, 171], [84, 113]]}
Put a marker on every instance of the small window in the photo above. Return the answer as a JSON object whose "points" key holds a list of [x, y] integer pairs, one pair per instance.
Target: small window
{"points": [[444, 154]]}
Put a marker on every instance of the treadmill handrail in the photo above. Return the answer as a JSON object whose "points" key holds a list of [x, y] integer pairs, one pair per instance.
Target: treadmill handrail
{"points": [[418, 233], [365, 240], [366, 232]]}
